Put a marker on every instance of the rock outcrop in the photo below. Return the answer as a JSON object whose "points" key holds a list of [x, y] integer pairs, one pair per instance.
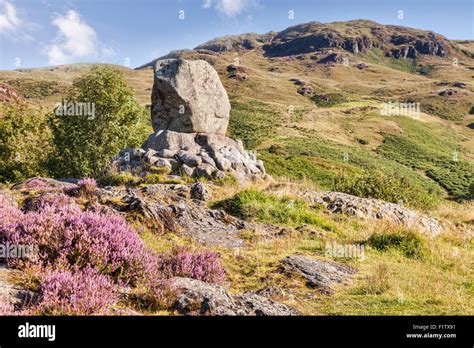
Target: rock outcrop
{"points": [[199, 298], [190, 115], [320, 274], [343, 203]]}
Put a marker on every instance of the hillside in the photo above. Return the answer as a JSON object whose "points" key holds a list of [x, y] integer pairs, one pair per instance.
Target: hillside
{"points": [[341, 114], [308, 101]]}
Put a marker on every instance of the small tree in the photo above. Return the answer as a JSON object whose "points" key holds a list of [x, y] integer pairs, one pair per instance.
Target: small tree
{"points": [[24, 142], [84, 144]]}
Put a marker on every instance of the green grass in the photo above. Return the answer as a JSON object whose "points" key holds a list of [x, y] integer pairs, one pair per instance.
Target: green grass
{"points": [[376, 55], [252, 121], [264, 207], [329, 99], [408, 243], [389, 188], [433, 150], [321, 161]]}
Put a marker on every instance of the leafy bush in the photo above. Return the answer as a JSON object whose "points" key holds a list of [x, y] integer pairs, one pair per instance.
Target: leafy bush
{"points": [[390, 188], [83, 144], [81, 292], [24, 143], [261, 206], [329, 99], [180, 262], [408, 243]]}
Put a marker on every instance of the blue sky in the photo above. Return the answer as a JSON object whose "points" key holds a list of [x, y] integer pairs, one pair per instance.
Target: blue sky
{"points": [[36, 33]]}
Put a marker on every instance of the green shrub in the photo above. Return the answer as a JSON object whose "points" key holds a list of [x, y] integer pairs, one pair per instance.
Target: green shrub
{"points": [[25, 142], [408, 243], [329, 99], [265, 207], [118, 179], [85, 145], [390, 188]]}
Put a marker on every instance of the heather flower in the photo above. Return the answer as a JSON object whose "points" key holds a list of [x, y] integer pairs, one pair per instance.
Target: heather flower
{"points": [[82, 237], [202, 265], [7, 308], [87, 187], [36, 184], [8, 213], [79, 292], [56, 200]]}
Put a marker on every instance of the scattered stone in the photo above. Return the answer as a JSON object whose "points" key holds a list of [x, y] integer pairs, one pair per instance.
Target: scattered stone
{"points": [[186, 170], [254, 304], [332, 58], [362, 66], [189, 158], [205, 170], [460, 85], [323, 275], [200, 192], [306, 90], [448, 93]]}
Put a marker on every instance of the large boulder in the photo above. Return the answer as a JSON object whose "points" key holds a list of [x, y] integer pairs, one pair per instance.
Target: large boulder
{"points": [[188, 97]]}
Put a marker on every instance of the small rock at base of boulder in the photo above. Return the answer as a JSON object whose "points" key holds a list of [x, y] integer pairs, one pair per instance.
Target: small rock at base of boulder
{"points": [[205, 171], [186, 170]]}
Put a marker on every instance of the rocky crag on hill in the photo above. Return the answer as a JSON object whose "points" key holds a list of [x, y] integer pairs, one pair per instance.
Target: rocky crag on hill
{"points": [[190, 114], [353, 36]]}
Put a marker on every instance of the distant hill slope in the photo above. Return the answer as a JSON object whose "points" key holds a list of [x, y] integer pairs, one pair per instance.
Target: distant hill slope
{"points": [[308, 99]]}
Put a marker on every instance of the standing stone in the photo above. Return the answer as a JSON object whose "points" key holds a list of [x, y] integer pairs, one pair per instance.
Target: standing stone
{"points": [[188, 97]]}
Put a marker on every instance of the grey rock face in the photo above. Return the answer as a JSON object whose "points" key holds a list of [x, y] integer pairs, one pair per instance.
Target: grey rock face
{"points": [[343, 203], [188, 97], [318, 273], [196, 154], [199, 298]]}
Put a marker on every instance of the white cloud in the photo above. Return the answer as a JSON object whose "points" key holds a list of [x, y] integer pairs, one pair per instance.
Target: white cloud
{"points": [[76, 40], [229, 8], [9, 20]]}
